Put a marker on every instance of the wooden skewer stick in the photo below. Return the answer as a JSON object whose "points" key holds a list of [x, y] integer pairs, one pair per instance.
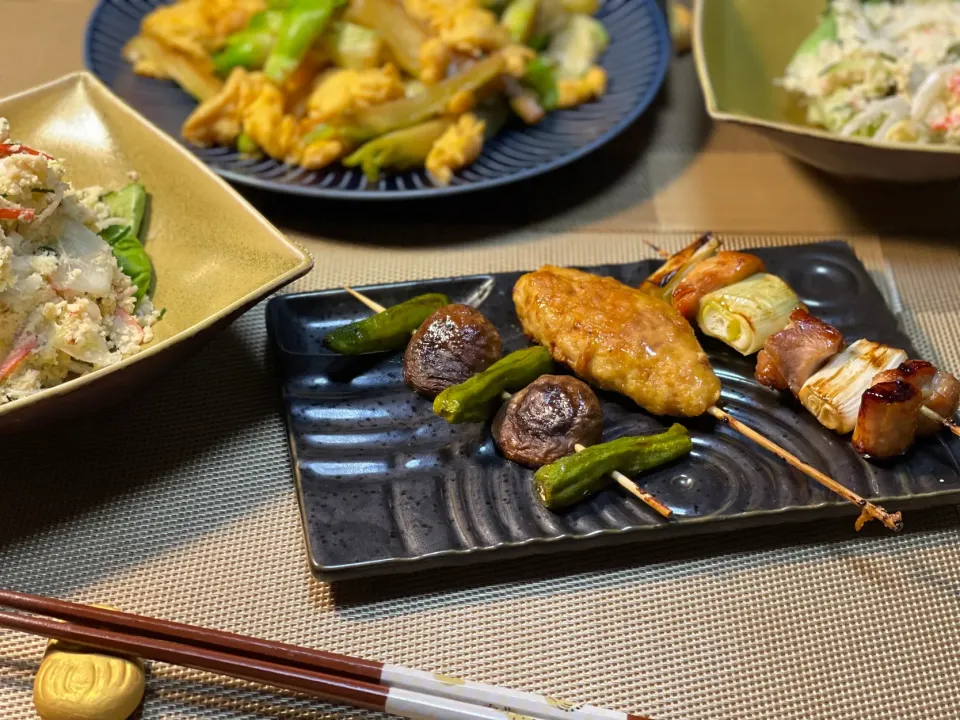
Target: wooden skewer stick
{"points": [[946, 422], [868, 510], [622, 480]]}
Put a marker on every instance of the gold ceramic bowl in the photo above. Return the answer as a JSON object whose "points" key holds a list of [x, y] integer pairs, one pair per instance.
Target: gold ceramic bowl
{"points": [[215, 256], [742, 46]]}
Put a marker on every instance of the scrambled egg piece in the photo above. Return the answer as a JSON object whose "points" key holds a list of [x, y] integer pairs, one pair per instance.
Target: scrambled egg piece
{"points": [[459, 145], [198, 27], [252, 104], [341, 91], [464, 25], [434, 59], [516, 58], [591, 86], [461, 102]]}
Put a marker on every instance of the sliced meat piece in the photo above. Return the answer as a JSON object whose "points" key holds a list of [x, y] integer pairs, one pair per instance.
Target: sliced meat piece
{"points": [[918, 373], [724, 268], [768, 371], [791, 356], [887, 421]]}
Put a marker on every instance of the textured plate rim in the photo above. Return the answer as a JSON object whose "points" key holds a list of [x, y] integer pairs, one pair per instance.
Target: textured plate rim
{"points": [[665, 50]]}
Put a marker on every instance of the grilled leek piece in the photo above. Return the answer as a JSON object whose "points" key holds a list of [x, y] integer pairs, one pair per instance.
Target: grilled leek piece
{"points": [[745, 314], [833, 393]]}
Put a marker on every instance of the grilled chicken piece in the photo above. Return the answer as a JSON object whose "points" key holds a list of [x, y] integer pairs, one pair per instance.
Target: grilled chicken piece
{"points": [[617, 338], [887, 420], [724, 268], [791, 356], [940, 390], [942, 396], [665, 278]]}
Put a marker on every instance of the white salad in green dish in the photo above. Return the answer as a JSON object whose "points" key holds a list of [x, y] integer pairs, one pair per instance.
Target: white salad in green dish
{"points": [[883, 70], [75, 280]]}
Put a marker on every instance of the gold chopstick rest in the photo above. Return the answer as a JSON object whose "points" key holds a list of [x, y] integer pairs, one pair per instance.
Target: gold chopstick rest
{"points": [[75, 682]]}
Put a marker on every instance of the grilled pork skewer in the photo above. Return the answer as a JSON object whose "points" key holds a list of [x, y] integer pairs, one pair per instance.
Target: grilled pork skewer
{"points": [[621, 479], [792, 356], [623, 339]]}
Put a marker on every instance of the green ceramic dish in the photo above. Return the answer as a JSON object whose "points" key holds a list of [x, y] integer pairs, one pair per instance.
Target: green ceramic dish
{"points": [[214, 255], [742, 46]]}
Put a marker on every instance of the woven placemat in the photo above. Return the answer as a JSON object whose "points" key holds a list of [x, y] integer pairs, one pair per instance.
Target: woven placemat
{"points": [[180, 503]]}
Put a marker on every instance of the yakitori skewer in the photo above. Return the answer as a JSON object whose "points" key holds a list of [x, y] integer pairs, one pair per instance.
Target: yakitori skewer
{"points": [[621, 479], [625, 340], [926, 411]]}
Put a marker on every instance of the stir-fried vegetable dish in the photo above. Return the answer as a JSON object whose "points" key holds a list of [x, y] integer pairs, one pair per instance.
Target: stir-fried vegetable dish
{"points": [[883, 70], [375, 84], [75, 280]]}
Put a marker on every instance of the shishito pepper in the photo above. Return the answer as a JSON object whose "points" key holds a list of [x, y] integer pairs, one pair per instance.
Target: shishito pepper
{"points": [[576, 477], [388, 330], [475, 399]]}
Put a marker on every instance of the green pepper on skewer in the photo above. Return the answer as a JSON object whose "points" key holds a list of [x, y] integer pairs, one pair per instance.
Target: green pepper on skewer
{"points": [[575, 477], [250, 47], [387, 330], [475, 399], [302, 24]]}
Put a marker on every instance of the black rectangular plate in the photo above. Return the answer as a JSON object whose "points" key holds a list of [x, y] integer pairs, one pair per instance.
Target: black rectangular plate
{"points": [[386, 486]]}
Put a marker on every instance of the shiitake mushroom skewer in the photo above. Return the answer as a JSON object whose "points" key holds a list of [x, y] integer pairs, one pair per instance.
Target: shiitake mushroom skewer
{"points": [[621, 479]]}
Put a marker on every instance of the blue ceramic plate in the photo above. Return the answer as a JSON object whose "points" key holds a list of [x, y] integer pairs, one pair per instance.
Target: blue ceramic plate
{"points": [[636, 63], [386, 486]]}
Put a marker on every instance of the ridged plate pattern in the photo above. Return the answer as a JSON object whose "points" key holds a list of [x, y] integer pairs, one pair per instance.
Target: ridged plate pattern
{"points": [[384, 483], [636, 63]]}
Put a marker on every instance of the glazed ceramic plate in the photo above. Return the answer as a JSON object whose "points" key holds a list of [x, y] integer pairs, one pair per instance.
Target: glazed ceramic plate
{"points": [[636, 63], [742, 46], [386, 486], [214, 255]]}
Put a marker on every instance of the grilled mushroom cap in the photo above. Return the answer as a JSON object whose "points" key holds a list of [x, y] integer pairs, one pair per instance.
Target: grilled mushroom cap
{"points": [[544, 421], [453, 343]]}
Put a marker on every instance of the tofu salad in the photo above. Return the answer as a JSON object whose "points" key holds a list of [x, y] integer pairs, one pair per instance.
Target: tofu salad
{"points": [[74, 277], [884, 70]]}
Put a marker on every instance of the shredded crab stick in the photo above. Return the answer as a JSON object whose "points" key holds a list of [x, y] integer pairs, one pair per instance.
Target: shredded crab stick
{"points": [[17, 213], [621, 479], [19, 353], [7, 149]]}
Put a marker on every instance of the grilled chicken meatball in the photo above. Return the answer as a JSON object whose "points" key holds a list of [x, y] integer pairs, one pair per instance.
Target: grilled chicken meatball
{"points": [[543, 422], [453, 343], [617, 338]]}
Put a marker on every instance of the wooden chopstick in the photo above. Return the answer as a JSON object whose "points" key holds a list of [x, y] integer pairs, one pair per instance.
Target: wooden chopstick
{"points": [[330, 676]]}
